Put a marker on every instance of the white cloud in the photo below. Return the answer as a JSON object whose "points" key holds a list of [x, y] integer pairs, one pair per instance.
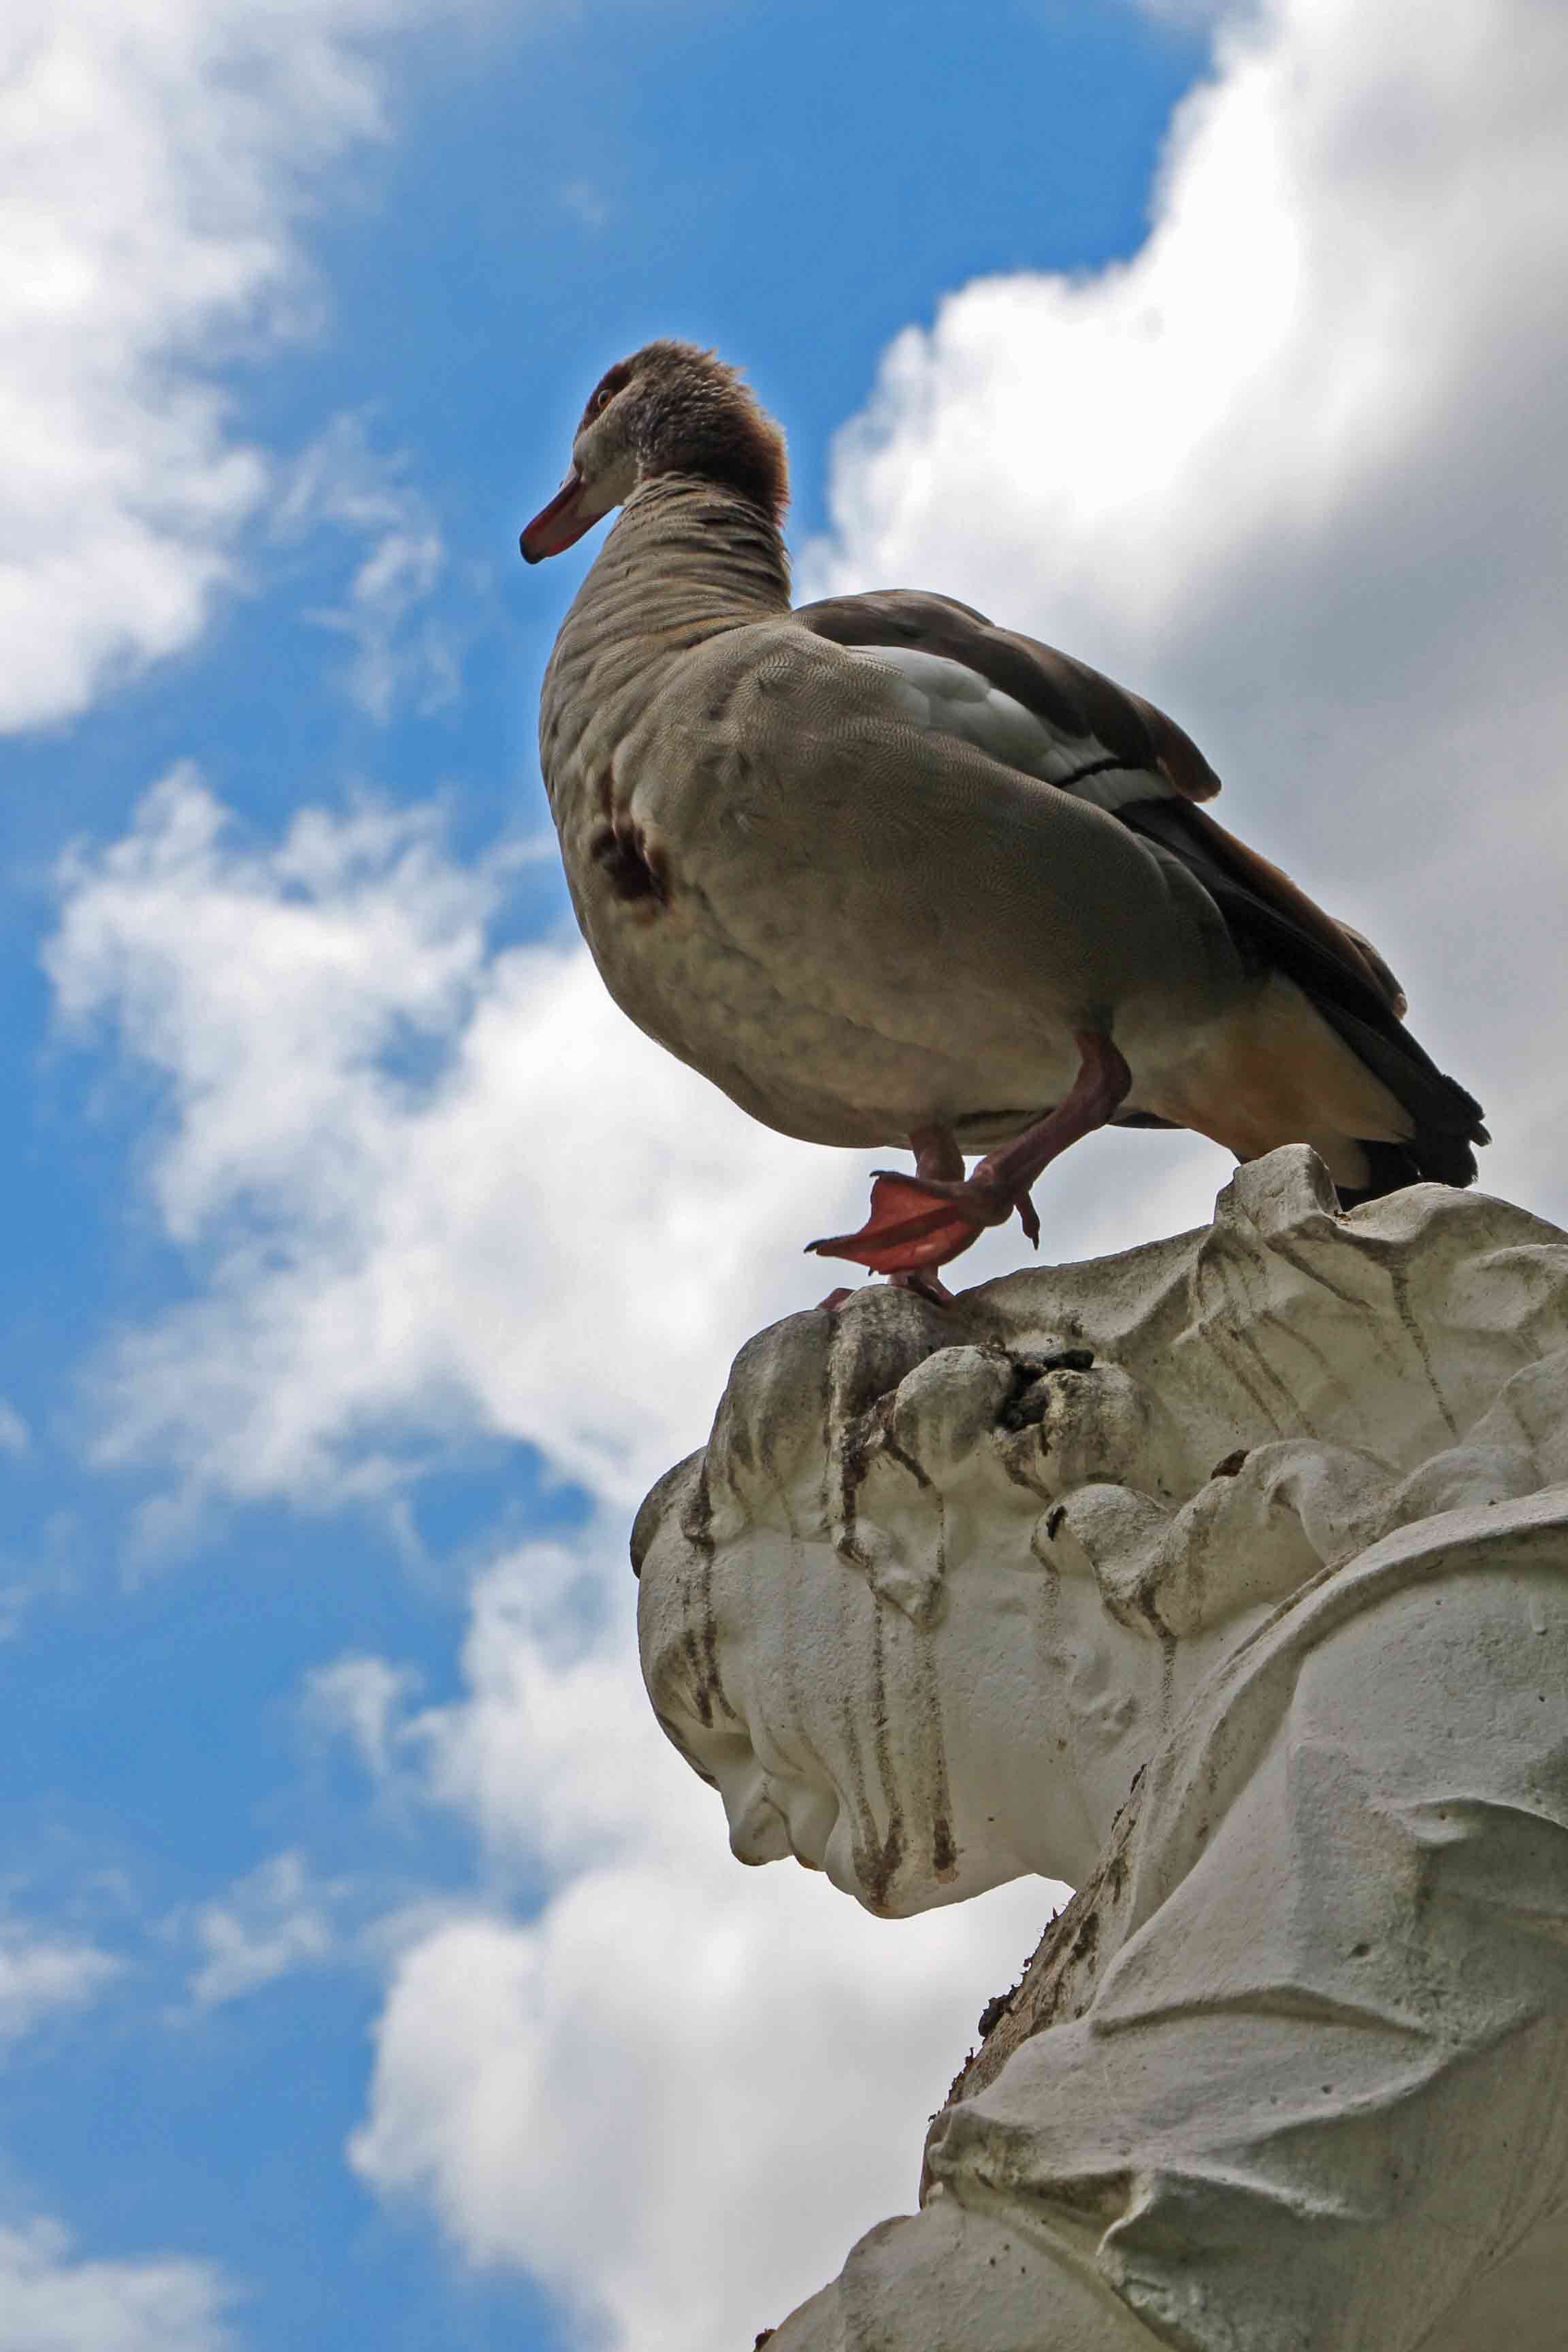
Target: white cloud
{"points": [[366, 1698], [40, 1974], [274, 1921], [1296, 469], [676, 2094], [51, 2301], [159, 155], [401, 653], [560, 1234], [15, 1437]]}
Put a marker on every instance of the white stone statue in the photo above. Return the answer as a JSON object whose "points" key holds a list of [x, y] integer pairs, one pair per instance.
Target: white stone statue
{"points": [[1229, 1579]]}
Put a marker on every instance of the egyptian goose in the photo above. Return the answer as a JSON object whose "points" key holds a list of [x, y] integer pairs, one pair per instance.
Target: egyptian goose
{"points": [[886, 873]]}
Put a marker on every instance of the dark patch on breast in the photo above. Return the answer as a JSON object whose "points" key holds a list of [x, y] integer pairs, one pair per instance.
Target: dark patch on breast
{"points": [[637, 874]]}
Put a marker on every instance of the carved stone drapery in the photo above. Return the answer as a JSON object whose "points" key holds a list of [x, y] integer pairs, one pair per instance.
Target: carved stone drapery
{"points": [[1227, 1578]]}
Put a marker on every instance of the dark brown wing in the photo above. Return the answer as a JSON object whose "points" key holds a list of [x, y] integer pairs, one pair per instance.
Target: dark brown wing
{"points": [[1162, 775], [1075, 701], [1275, 924]]}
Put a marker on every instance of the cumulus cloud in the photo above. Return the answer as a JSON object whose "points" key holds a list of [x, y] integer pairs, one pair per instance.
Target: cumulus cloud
{"points": [[41, 1974], [157, 160], [364, 1697], [402, 654], [1297, 470], [275, 1921], [677, 2092], [54, 2300], [559, 1234], [537, 1224], [1294, 469]]}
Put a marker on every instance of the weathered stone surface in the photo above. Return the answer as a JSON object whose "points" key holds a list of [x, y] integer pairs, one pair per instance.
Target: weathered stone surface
{"points": [[1229, 1579]]}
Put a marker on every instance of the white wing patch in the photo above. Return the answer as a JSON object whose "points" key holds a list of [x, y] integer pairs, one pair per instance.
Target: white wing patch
{"points": [[950, 698]]}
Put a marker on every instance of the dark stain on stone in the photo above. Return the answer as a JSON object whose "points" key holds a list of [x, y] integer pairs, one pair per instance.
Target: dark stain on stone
{"points": [[699, 1639], [1399, 1285], [651, 1512], [1213, 1321], [672, 1733], [867, 1433], [858, 1439], [878, 1863], [865, 1825], [1057, 1984], [1287, 1327], [891, 1445], [1087, 1938], [943, 1844], [741, 1450], [1254, 1294], [1027, 1401], [1231, 1463], [1281, 1246], [1330, 1377]]}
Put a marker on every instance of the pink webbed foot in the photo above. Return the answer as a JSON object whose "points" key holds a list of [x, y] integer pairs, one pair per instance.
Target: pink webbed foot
{"points": [[918, 1222], [922, 1221]]}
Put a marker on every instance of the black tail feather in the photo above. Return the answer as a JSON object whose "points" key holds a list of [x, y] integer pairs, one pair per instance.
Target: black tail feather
{"points": [[1445, 1119], [1390, 1167]]}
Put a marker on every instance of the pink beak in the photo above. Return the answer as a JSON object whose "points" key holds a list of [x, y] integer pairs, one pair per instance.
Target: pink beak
{"points": [[561, 524]]}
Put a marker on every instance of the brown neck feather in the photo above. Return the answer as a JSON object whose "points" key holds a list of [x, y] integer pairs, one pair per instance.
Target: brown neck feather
{"points": [[709, 531], [696, 416], [745, 453]]}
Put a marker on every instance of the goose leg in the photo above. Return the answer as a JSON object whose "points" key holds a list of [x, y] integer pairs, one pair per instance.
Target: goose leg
{"points": [[938, 1156], [939, 1160], [918, 1222]]}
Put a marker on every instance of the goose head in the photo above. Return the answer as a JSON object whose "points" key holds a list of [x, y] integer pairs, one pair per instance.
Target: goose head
{"points": [[671, 408]]}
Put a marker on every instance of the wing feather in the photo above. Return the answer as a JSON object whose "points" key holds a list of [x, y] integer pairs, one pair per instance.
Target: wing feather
{"points": [[1043, 712], [1075, 704]]}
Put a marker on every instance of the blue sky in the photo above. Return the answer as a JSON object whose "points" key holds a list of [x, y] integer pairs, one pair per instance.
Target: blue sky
{"points": [[330, 1379]]}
